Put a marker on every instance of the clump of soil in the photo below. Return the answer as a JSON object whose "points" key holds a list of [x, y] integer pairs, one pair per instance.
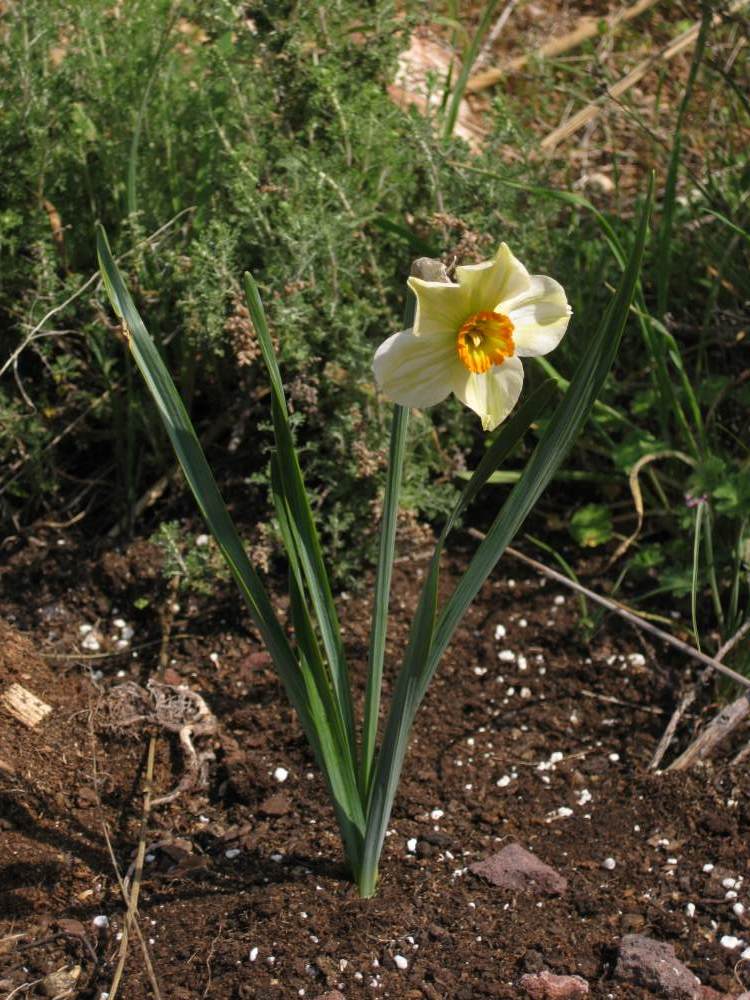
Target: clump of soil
{"points": [[531, 735]]}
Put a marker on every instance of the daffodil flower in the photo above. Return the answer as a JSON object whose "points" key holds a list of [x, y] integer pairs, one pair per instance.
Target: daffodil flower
{"points": [[468, 338]]}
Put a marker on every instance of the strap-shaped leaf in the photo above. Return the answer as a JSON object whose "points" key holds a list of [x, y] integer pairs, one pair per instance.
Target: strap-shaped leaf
{"points": [[553, 446], [411, 684], [423, 657], [292, 485], [299, 683]]}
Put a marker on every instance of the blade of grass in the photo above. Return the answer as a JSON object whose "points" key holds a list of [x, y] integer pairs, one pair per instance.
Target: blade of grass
{"points": [[664, 236], [699, 512], [468, 61]]}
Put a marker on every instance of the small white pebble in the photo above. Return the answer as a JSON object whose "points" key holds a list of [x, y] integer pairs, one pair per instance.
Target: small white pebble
{"points": [[277, 858], [637, 660], [232, 852], [503, 782], [253, 954], [500, 632], [746, 954], [119, 623], [401, 962], [708, 867], [690, 909], [149, 858], [472, 906], [90, 642], [671, 861], [480, 671], [729, 883], [281, 774], [730, 941], [562, 813], [559, 599], [730, 894], [102, 920], [523, 663], [522, 622], [201, 540], [271, 959], [437, 814], [738, 909], [614, 757], [506, 656], [584, 797], [609, 863], [127, 633], [525, 692], [411, 845]]}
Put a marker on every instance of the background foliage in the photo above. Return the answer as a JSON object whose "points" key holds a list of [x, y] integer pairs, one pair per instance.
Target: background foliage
{"points": [[215, 137]]}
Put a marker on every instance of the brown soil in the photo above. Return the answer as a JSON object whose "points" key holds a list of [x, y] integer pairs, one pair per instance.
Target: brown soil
{"points": [[250, 866]]}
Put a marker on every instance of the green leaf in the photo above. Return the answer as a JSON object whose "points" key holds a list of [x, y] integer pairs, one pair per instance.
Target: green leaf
{"points": [[591, 525], [410, 684], [290, 482], [298, 682]]}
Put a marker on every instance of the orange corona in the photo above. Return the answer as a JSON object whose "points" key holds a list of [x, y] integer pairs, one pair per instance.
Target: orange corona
{"points": [[484, 340]]}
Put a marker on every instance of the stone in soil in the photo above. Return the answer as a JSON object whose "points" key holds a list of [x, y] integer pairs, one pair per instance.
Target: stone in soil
{"points": [[655, 965], [516, 868], [547, 986]]}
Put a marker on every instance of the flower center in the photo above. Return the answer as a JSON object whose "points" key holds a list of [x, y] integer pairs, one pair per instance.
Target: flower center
{"points": [[485, 339]]}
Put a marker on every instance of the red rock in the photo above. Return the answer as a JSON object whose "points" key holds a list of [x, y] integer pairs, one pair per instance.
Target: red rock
{"points": [[655, 965], [547, 986], [516, 868]]}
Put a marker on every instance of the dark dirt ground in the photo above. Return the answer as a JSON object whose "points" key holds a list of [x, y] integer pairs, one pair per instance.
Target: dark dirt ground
{"points": [[250, 866]]}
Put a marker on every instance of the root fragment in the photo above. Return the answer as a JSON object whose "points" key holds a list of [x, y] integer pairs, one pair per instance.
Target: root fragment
{"points": [[174, 708]]}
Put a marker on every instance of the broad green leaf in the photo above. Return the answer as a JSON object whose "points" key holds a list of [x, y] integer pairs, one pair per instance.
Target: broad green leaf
{"points": [[591, 525]]}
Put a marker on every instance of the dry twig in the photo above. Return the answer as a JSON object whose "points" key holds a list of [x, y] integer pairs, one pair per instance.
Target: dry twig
{"points": [[587, 27], [616, 90], [625, 613], [689, 697]]}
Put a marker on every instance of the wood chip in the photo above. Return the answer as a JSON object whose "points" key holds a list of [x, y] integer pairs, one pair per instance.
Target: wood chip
{"points": [[25, 706]]}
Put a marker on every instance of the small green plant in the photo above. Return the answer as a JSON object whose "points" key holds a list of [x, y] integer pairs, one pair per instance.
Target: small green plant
{"points": [[461, 340]]}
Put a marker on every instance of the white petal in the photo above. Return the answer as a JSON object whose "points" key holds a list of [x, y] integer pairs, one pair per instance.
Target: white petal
{"points": [[416, 371], [539, 316], [441, 307], [490, 282], [492, 394]]}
